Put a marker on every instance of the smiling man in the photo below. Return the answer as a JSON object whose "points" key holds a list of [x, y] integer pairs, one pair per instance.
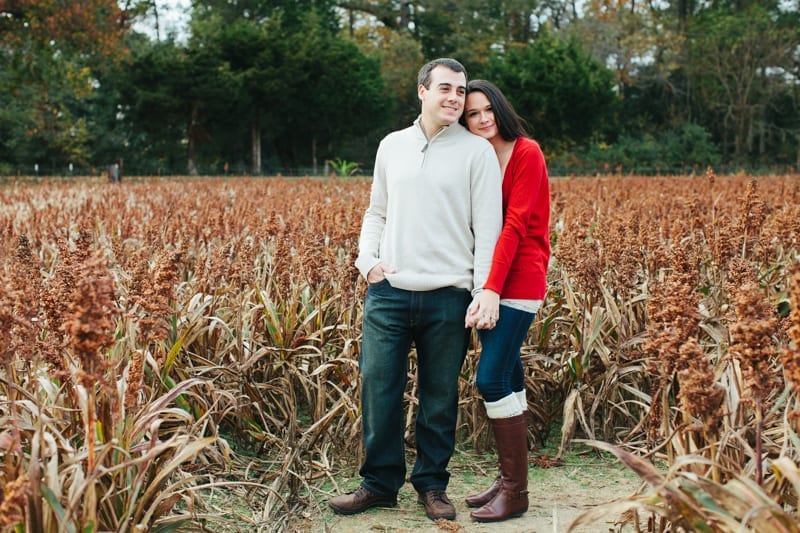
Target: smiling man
{"points": [[425, 248]]}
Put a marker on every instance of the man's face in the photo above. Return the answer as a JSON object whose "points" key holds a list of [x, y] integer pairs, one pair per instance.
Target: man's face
{"points": [[443, 103]]}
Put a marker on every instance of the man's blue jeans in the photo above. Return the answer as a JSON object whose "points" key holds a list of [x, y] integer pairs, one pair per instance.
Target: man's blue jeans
{"points": [[434, 322], [500, 368]]}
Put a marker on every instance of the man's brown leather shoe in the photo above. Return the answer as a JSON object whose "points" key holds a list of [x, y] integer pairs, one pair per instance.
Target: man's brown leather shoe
{"points": [[437, 505], [359, 500]]}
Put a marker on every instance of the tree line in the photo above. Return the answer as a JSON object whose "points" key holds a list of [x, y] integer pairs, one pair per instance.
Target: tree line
{"points": [[310, 86]]}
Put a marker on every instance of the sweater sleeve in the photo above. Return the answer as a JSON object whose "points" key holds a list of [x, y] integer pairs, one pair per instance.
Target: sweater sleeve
{"points": [[526, 170], [374, 219], [487, 212]]}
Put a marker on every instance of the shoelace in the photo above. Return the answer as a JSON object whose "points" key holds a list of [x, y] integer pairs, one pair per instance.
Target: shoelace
{"points": [[439, 495]]}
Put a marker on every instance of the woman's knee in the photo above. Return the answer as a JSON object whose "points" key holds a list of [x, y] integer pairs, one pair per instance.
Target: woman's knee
{"points": [[490, 388]]}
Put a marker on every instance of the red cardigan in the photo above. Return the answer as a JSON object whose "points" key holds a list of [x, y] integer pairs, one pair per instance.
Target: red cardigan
{"points": [[522, 253]]}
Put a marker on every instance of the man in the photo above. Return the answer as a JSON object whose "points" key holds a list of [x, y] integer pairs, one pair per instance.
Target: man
{"points": [[426, 243]]}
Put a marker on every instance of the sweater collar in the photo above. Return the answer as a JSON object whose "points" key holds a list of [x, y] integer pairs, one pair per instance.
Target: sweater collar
{"points": [[442, 131]]}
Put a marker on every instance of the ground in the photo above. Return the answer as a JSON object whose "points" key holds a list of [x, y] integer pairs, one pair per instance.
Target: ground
{"points": [[557, 495]]}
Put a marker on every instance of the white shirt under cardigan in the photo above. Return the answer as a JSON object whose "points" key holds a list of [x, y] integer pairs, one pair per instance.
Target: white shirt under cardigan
{"points": [[435, 209]]}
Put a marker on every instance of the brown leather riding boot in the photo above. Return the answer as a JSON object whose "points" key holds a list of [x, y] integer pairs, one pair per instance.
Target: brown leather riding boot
{"points": [[482, 498], [511, 500]]}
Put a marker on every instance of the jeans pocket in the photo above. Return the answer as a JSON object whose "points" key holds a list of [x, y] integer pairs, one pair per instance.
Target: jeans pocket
{"points": [[378, 285]]}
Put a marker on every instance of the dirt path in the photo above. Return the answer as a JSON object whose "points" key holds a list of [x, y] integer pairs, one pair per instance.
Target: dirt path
{"points": [[557, 496]]}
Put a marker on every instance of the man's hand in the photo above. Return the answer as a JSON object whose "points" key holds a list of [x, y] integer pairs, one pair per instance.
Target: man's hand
{"points": [[378, 273], [484, 310]]}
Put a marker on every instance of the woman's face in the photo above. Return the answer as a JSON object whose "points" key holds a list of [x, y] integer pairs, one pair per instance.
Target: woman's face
{"points": [[479, 115]]}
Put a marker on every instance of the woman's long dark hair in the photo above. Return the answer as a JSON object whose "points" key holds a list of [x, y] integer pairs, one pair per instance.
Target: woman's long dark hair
{"points": [[509, 124]]}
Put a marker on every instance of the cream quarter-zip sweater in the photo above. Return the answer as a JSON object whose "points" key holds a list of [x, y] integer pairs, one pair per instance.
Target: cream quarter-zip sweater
{"points": [[435, 209]]}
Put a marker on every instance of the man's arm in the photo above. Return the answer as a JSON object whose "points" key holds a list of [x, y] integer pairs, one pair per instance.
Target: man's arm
{"points": [[487, 212], [374, 220]]}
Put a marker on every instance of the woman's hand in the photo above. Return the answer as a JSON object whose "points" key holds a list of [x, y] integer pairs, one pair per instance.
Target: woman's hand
{"points": [[484, 310]]}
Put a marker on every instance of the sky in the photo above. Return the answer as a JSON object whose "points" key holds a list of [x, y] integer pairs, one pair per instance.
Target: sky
{"points": [[173, 16]]}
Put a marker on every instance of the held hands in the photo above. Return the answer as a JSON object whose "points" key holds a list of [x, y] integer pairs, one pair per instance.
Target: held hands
{"points": [[378, 273], [484, 310]]}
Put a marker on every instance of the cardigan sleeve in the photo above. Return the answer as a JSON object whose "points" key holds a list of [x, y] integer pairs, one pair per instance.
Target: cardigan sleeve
{"points": [[523, 180]]}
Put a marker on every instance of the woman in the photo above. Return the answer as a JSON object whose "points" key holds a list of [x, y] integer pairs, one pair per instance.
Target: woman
{"points": [[517, 282]]}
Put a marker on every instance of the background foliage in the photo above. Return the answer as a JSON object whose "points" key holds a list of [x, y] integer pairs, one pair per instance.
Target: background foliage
{"points": [[281, 86]]}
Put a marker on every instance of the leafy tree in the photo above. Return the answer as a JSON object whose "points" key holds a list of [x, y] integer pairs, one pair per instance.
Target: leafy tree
{"points": [[289, 83], [338, 93], [683, 149], [290, 12], [294, 70], [168, 93], [151, 106], [458, 28], [562, 92], [48, 50], [635, 39], [400, 59], [92, 28], [739, 62], [257, 57], [405, 34], [396, 15]]}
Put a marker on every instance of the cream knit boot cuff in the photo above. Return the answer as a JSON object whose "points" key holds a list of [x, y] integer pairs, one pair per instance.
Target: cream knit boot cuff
{"points": [[523, 401], [504, 407]]}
